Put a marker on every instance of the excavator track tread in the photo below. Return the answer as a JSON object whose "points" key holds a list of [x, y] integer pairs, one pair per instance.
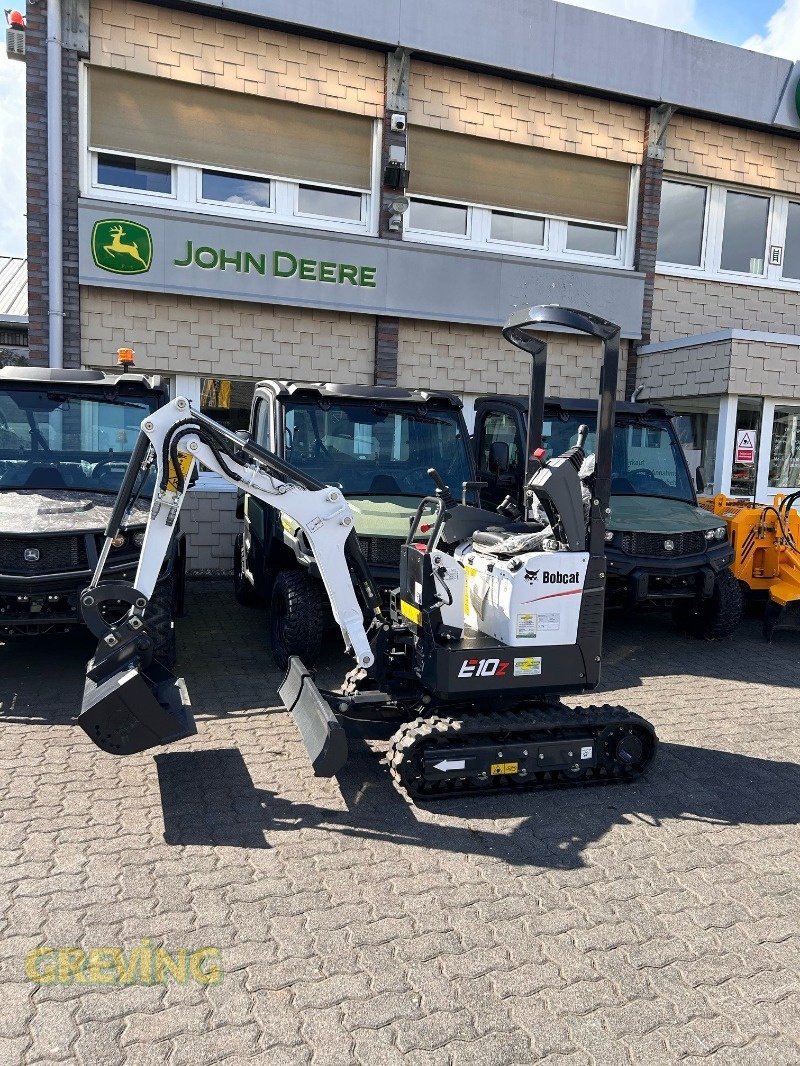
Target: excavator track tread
{"points": [[606, 724]]}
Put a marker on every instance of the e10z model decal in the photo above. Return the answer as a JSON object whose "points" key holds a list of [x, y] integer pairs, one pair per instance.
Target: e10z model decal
{"points": [[483, 668]]}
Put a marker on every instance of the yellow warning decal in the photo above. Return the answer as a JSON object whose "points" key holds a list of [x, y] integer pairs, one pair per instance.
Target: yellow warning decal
{"points": [[497, 768], [412, 613], [469, 571], [288, 523], [185, 461]]}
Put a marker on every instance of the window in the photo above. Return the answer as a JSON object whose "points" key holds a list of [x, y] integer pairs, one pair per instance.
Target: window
{"points": [[744, 238], [235, 189], [438, 218], [330, 203], [791, 253], [128, 172], [500, 428], [784, 456], [262, 423], [518, 228], [227, 401], [680, 224], [597, 240]]}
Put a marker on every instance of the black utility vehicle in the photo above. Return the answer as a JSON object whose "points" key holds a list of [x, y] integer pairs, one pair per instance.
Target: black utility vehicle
{"points": [[65, 441]]}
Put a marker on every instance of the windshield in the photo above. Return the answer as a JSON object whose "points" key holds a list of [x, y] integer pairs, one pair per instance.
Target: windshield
{"points": [[648, 460], [57, 439], [374, 450]]}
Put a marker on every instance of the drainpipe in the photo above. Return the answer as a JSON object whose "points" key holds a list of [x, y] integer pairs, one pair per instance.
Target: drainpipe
{"points": [[55, 208]]}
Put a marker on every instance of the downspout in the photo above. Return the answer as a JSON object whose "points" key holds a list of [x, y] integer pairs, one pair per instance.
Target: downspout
{"points": [[55, 206]]}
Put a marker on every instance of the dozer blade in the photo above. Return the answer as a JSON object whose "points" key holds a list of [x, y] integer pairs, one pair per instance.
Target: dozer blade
{"points": [[323, 736], [135, 709]]}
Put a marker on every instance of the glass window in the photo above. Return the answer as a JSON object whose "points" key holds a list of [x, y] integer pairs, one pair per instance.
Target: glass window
{"points": [[598, 240], [744, 236], [235, 189], [227, 401], [261, 430], [441, 218], [791, 253], [743, 475], [784, 456], [331, 203], [517, 228], [500, 427], [680, 224], [696, 428], [127, 172]]}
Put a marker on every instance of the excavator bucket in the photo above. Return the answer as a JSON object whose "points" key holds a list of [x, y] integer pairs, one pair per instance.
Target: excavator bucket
{"points": [[135, 708], [321, 732]]}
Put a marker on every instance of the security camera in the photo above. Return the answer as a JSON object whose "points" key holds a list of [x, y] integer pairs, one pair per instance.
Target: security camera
{"points": [[396, 223], [400, 205], [398, 123]]}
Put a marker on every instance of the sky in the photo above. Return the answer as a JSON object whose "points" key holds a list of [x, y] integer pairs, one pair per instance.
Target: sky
{"points": [[771, 26]]}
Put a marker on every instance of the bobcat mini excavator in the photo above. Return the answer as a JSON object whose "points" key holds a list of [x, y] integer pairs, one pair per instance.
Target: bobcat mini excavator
{"points": [[497, 614]]}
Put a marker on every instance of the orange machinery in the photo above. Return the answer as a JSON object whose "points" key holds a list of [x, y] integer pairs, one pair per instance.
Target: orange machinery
{"points": [[766, 542]]}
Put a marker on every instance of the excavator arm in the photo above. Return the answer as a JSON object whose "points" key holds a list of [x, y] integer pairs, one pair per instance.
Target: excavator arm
{"points": [[131, 701]]}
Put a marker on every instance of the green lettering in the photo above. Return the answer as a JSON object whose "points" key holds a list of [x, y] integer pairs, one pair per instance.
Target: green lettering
{"points": [[327, 272], [366, 277], [277, 270], [308, 269], [348, 273], [211, 258], [258, 264], [234, 260], [189, 256]]}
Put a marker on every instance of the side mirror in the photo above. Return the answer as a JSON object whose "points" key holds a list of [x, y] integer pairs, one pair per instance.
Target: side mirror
{"points": [[699, 480], [498, 457]]}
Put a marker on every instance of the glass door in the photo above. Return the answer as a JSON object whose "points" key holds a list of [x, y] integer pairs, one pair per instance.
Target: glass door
{"points": [[745, 447], [784, 454]]}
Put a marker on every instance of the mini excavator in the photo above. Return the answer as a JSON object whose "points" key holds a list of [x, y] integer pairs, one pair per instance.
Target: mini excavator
{"points": [[498, 613]]}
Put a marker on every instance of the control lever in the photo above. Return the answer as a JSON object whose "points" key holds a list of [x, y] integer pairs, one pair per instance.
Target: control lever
{"points": [[469, 486], [509, 509], [442, 491]]}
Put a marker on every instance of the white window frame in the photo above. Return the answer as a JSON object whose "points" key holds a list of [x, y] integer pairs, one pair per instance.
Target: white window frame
{"points": [[713, 232]]}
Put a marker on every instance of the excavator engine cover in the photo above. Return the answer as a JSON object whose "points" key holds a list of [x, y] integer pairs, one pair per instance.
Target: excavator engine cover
{"points": [[136, 708]]}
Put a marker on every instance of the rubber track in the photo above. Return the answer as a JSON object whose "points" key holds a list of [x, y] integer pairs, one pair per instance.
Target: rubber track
{"points": [[534, 724]]}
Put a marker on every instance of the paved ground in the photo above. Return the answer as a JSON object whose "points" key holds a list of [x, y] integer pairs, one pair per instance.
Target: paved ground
{"points": [[649, 924]]}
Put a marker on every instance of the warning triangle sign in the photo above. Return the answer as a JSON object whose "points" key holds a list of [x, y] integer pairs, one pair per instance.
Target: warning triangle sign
{"points": [[746, 440]]}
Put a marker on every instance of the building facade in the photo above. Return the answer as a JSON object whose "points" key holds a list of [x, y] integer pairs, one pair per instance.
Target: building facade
{"points": [[362, 193]]}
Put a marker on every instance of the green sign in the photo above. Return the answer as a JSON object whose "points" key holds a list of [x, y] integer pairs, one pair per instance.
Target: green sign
{"points": [[280, 265], [122, 247]]}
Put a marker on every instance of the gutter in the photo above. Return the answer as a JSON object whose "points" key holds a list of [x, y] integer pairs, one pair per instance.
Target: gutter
{"points": [[55, 206]]}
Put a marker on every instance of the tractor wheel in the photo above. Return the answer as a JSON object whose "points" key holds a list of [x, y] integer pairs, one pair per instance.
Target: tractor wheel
{"points": [[243, 591], [718, 616], [297, 617], [160, 621]]}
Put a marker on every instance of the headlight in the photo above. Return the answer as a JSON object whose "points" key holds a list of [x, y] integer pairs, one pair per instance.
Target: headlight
{"points": [[710, 533], [138, 538], [609, 535], [721, 533], [119, 541]]}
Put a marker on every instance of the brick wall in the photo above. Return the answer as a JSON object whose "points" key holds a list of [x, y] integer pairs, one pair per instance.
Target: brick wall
{"points": [[210, 524], [464, 101], [476, 359], [229, 55], [709, 149], [683, 307], [192, 335]]}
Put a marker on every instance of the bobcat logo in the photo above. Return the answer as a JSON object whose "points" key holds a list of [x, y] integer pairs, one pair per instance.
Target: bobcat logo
{"points": [[122, 247], [531, 575]]}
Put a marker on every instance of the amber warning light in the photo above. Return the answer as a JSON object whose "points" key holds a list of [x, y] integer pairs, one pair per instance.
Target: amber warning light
{"points": [[15, 19], [125, 357]]}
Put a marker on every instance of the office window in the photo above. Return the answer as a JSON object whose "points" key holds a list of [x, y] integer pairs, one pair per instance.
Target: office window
{"points": [[597, 240], [329, 203], [440, 218], [128, 172], [791, 251], [517, 228], [680, 226], [235, 189], [744, 236], [227, 401], [784, 457]]}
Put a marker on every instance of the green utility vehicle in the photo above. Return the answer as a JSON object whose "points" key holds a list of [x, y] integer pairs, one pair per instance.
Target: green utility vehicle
{"points": [[376, 443], [66, 437], [661, 548]]}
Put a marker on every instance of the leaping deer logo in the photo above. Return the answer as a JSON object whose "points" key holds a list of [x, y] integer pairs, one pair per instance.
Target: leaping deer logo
{"points": [[132, 249]]}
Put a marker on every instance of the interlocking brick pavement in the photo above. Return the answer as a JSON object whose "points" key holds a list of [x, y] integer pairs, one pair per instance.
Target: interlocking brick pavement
{"points": [[654, 923]]}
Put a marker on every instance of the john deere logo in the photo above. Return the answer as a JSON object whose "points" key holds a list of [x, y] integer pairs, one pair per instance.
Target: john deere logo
{"points": [[122, 247]]}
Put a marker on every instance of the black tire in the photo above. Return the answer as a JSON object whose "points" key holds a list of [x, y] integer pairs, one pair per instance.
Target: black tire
{"points": [[297, 616], [243, 591], [160, 622], [717, 617]]}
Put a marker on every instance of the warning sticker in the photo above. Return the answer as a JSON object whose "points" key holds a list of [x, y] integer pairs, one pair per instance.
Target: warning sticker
{"points": [[550, 622], [527, 667], [526, 625], [498, 768], [586, 753]]}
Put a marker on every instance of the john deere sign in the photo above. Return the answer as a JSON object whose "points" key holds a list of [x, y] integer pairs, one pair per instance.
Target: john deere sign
{"points": [[280, 264], [122, 247]]}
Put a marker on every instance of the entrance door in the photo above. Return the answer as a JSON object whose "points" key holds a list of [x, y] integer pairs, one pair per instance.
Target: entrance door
{"points": [[745, 447], [783, 469]]}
